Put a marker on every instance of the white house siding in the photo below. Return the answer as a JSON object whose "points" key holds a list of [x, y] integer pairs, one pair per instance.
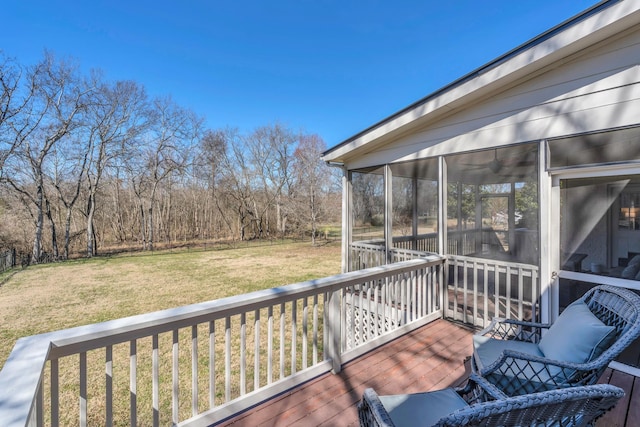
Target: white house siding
{"points": [[590, 91]]}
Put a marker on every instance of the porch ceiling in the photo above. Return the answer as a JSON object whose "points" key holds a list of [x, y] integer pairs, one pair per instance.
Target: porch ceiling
{"points": [[509, 164]]}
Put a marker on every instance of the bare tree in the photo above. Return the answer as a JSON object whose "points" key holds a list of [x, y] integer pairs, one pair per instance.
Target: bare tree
{"points": [[236, 177], [270, 155], [16, 118], [312, 177], [116, 119], [99, 161], [208, 169], [167, 148], [59, 99]]}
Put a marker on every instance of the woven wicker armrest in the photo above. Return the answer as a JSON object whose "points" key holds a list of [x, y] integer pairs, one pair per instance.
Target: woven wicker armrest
{"points": [[371, 411], [478, 390], [502, 328], [577, 406], [510, 357], [517, 373]]}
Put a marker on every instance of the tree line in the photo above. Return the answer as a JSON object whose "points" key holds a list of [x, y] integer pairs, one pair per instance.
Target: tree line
{"points": [[87, 163]]}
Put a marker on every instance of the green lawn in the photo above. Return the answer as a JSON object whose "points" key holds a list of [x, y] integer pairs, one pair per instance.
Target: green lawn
{"points": [[58, 296]]}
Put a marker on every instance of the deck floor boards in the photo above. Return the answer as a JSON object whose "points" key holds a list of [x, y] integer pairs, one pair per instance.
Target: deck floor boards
{"points": [[429, 358]]}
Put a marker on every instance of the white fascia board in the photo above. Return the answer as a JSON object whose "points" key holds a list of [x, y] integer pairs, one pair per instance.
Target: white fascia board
{"points": [[600, 26]]}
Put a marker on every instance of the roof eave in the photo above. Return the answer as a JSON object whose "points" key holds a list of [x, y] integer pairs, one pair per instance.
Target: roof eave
{"points": [[588, 28]]}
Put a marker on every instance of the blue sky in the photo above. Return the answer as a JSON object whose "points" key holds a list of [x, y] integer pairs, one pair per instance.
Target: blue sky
{"points": [[331, 67]]}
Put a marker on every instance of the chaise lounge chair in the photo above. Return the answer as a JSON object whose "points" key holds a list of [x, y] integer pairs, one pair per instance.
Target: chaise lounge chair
{"points": [[575, 350], [482, 404]]}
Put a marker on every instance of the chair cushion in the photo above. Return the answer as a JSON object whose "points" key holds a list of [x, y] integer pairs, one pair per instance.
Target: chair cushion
{"points": [[422, 409], [488, 350], [577, 335], [630, 271], [514, 377]]}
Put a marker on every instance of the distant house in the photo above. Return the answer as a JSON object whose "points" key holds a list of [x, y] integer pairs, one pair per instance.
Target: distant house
{"points": [[530, 163]]}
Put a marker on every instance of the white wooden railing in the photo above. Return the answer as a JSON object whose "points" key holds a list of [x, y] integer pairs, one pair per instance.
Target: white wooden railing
{"points": [[202, 363], [372, 253], [479, 289]]}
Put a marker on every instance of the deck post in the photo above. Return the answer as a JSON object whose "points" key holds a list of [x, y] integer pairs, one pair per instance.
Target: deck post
{"points": [[347, 219], [334, 330], [388, 214]]}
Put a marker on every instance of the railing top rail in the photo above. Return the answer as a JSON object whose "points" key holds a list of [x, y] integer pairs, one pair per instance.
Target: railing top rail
{"points": [[490, 261], [376, 244], [21, 374]]}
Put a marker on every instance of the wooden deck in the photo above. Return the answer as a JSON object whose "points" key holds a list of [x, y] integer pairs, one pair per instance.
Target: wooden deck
{"points": [[429, 358]]}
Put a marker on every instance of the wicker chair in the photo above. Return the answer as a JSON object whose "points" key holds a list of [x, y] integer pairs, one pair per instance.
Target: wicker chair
{"points": [[482, 404], [575, 350]]}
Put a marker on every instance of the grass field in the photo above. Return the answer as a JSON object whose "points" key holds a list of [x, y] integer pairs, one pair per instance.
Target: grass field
{"points": [[58, 296]]}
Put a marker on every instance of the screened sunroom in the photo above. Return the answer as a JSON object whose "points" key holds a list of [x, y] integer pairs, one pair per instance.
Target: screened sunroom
{"points": [[524, 175]]}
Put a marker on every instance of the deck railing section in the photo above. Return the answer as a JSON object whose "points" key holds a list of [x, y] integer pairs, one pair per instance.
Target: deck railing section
{"points": [[479, 289], [198, 364], [376, 307], [372, 253]]}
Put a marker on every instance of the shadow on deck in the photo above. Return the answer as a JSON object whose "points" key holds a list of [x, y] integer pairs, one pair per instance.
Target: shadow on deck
{"points": [[428, 358]]}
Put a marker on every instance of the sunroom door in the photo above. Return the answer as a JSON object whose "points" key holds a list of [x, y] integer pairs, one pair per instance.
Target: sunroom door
{"points": [[596, 187]]}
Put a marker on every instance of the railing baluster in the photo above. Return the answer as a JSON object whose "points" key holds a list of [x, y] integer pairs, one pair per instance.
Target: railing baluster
{"points": [[414, 295], [393, 313], [496, 274], [508, 293], [108, 386], [243, 354], [535, 295], [429, 293], [455, 289], [256, 350], [194, 370], [175, 415], [227, 359], [485, 297], [520, 293], [351, 324], [404, 298], [83, 389], [465, 283], [294, 335], [282, 334], [376, 308], [370, 320], [421, 293], [133, 382], [475, 293], [55, 393], [155, 379], [305, 332], [315, 329], [270, 345], [212, 364], [384, 294]]}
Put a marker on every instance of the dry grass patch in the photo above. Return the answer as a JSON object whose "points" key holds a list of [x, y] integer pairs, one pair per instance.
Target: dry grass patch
{"points": [[57, 296]]}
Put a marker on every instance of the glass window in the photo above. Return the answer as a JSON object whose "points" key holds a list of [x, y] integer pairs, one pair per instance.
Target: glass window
{"points": [[368, 205], [600, 225], [403, 200], [492, 204], [600, 148], [415, 205]]}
